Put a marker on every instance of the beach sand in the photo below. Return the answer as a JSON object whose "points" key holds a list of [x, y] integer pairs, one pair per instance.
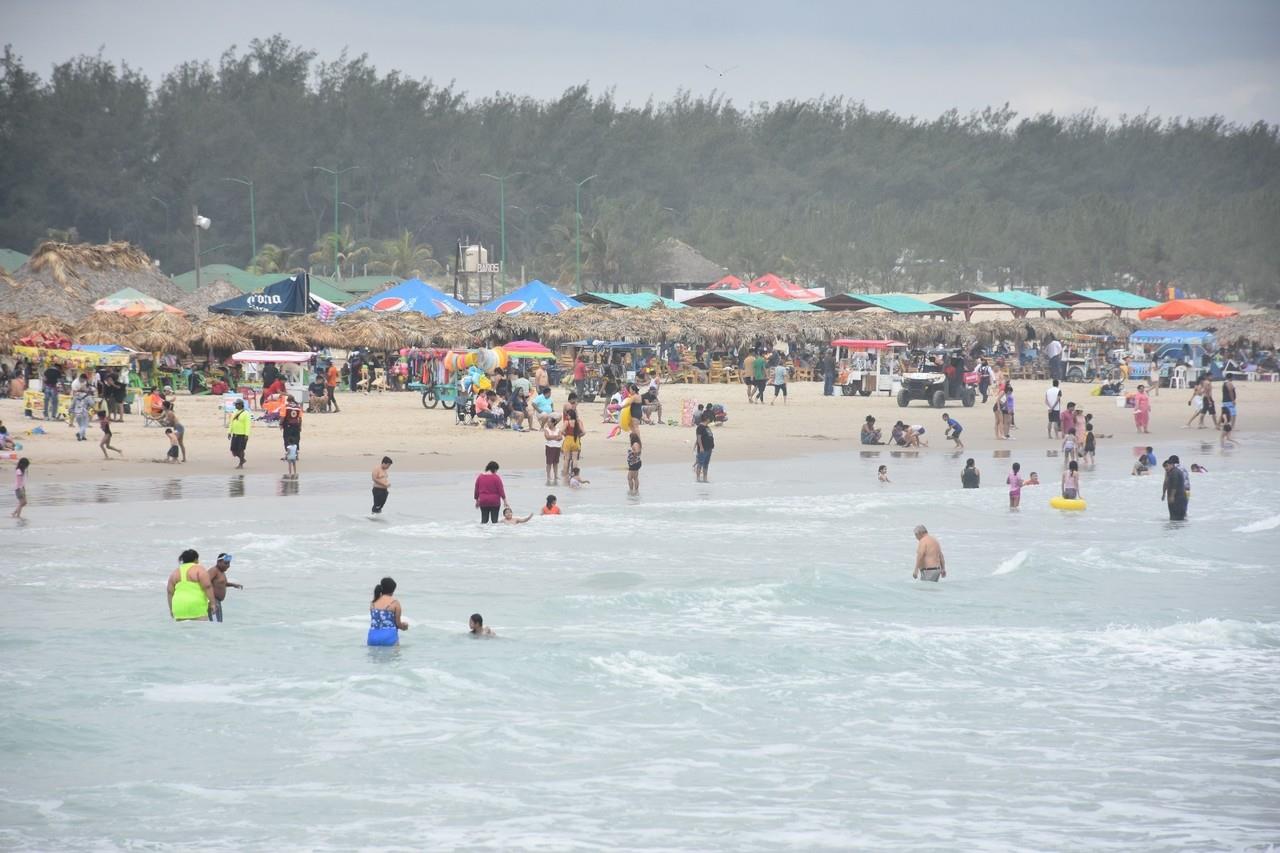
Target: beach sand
{"points": [[418, 439]]}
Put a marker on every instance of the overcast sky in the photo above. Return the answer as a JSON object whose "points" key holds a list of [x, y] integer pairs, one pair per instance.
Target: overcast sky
{"points": [[1170, 58]]}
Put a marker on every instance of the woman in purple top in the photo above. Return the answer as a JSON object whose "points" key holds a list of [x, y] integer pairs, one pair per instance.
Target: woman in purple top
{"points": [[490, 494]]}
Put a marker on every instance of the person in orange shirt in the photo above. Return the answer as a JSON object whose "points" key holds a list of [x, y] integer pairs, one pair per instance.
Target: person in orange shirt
{"points": [[331, 383], [551, 508]]}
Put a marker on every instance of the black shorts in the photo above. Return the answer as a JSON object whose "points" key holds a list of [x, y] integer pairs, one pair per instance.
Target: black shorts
{"points": [[1055, 416], [238, 444], [173, 451]]}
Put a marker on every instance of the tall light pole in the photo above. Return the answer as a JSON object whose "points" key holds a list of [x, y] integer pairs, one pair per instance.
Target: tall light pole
{"points": [[577, 228], [502, 217], [253, 219], [165, 205], [335, 208], [199, 223]]}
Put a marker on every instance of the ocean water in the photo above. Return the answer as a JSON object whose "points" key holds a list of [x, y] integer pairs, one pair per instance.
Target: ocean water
{"points": [[745, 665]]}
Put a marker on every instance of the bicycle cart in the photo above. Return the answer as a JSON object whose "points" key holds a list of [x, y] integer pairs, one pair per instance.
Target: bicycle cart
{"points": [[444, 394]]}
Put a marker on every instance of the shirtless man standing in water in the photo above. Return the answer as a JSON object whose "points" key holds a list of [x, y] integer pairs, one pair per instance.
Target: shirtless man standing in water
{"points": [[930, 564]]}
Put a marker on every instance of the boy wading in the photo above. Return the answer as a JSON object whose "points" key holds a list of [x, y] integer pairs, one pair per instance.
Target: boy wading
{"points": [[381, 483]]}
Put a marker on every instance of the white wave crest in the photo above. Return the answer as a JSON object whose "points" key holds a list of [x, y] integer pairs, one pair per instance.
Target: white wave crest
{"points": [[1260, 525], [1012, 564]]}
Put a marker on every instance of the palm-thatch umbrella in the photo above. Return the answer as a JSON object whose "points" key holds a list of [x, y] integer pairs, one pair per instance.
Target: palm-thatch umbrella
{"points": [[220, 334], [159, 340], [371, 331], [313, 332], [42, 325], [268, 331]]}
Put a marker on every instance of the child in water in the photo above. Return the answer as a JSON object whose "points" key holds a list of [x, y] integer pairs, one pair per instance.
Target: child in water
{"points": [[291, 459], [1071, 481], [1015, 486], [1090, 445], [551, 508], [883, 473], [1069, 449], [509, 518], [1033, 480], [575, 479], [477, 628]]}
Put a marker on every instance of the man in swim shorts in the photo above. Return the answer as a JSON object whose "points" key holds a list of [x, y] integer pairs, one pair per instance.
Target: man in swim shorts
{"points": [[381, 484], [930, 564], [218, 580], [189, 590]]}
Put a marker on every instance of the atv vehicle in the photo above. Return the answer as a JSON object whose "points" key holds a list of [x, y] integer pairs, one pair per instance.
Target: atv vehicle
{"points": [[930, 382]]}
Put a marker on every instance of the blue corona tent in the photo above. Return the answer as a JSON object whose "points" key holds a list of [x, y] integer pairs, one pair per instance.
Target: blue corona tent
{"points": [[288, 297], [412, 295], [534, 296]]}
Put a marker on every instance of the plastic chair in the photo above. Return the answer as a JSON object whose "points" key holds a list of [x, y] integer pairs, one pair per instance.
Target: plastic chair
{"points": [[1179, 378]]}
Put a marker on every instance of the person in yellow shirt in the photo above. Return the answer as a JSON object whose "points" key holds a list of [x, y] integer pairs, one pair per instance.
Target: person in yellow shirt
{"points": [[238, 432]]}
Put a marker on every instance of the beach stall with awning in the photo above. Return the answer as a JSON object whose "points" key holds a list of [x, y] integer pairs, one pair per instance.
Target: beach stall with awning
{"points": [[1115, 301], [536, 296], [1176, 309], [131, 302], [625, 300], [737, 299], [412, 295], [1017, 302], [893, 303]]}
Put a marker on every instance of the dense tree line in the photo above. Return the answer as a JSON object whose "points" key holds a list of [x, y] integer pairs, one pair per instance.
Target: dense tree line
{"points": [[827, 191]]}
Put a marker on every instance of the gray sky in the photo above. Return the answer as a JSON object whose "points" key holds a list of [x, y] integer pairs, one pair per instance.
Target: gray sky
{"points": [[1172, 58]]}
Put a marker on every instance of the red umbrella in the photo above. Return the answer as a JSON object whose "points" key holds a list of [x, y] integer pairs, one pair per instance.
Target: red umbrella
{"points": [[1176, 309]]}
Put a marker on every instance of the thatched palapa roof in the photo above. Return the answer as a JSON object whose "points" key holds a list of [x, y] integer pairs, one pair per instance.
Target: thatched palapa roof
{"points": [[63, 280]]}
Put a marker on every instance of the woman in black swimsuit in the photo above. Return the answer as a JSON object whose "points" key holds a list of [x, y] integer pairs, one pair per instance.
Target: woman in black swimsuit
{"points": [[633, 465]]}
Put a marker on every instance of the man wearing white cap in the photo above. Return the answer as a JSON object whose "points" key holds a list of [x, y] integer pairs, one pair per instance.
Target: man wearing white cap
{"points": [[218, 580]]}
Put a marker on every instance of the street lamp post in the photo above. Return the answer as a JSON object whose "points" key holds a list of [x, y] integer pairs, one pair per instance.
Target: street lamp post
{"points": [[199, 223], [253, 219], [577, 238], [502, 218], [335, 208], [165, 205]]}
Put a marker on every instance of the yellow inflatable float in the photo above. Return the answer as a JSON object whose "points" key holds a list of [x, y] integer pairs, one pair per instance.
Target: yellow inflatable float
{"points": [[1060, 502]]}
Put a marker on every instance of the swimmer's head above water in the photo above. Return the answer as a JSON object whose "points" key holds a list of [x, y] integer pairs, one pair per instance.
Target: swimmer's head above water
{"points": [[386, 586]]}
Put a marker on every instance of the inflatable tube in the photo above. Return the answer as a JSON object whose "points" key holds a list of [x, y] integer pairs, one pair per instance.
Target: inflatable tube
{"points": [[1060, 502]]}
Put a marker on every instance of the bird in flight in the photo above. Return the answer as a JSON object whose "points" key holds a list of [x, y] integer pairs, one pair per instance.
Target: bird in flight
{"points": [[722, 72]]}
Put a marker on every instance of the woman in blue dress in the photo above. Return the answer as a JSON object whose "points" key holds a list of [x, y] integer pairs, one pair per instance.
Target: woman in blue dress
{"points": [[385, 620]]}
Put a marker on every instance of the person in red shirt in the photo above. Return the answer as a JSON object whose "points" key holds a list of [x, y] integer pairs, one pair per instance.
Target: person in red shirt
{"points": [[490, 494], [551, 508], [276, 387], [579, 371]]}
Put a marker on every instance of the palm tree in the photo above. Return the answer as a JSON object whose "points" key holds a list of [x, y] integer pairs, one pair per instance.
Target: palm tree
{"points": [[404, 258], [341, 246], [275, 259]]}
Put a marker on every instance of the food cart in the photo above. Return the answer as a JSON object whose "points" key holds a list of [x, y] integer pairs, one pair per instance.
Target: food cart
{"points": [[1154, 354], [1085, 357], [867, 366], [604, 359]]}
